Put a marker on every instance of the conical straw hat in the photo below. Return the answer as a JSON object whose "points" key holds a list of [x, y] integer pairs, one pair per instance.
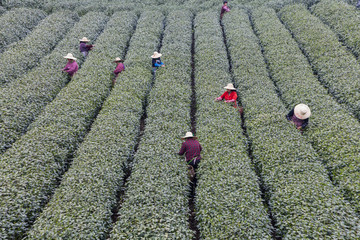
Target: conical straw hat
{"points": [[70, 56], [84, 39], [118, 60], [230, 86], [156, 55], [189, 135], [302, 111]]}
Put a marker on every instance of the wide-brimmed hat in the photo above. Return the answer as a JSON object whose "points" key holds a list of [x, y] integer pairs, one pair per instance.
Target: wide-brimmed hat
{"points": [[118, 60], [302, 111], [84, 39], [70, 56], [230, 86], [188, 135], [156, 55]]}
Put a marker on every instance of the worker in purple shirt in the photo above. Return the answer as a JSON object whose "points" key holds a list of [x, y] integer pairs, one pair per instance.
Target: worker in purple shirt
{"points": [[71, 66], [119, 68], [224, 9], [192, 148], [299, 116], [85, 48]]}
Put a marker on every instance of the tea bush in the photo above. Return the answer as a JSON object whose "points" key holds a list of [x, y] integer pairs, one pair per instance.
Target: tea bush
{"points": [[22, 100], [302, 199], [97, 168], [156, 201], [20, 57], [228, 200], [32, 167], [337, 68], [343, 20], [332, 131], [17, 23]]}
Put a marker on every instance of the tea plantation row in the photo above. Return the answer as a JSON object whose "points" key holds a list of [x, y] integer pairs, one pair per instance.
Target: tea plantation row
{"points": [[298, 187], [332, 131], [21, 101], [32, 167], [254, 180]]}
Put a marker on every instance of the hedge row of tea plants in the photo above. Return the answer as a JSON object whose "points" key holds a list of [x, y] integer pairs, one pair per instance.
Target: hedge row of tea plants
{"points": [[302, 199], [337, 68], [344, 20], [32, 167], [27, 53], [332, 131], [23, 3], [97, 168], [17, 23], [228, 197], [156, 202], [22, 100]]}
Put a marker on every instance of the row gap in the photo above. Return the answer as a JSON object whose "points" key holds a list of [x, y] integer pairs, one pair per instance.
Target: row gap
{"points": [[193, 223]]}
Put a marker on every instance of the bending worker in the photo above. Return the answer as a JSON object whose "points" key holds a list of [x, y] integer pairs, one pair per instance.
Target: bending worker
{"points": [[85, 48], [229, 95], [119, 68], [299, 115], [71, 66], [156, 61], [192, 148]]}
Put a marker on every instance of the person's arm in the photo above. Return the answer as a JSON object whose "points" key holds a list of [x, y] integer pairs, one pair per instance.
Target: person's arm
{"points": [[227, 9], [290, 114], [89, 47], [183, 149], [221, 97]]}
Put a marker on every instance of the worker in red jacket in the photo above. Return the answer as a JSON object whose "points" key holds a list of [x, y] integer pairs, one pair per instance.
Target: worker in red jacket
{"points": [[230, 95], [71, 66]]}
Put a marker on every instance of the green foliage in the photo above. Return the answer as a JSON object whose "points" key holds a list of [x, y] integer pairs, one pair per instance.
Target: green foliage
{"points": [[227, 196], [17, 23], [337, 68], [26, 54], [97, 168], [22, 100], [32, 167], [332, 131], [343, 18], [302, 198], [156, 202], [23, 3]]}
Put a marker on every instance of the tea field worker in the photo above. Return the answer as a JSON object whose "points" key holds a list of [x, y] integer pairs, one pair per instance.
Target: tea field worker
{"points": [[224, 9], [119, 68], [156, 61], [71, 66], [299, 115], [230, 95], [191, 148], [85, 48]]}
